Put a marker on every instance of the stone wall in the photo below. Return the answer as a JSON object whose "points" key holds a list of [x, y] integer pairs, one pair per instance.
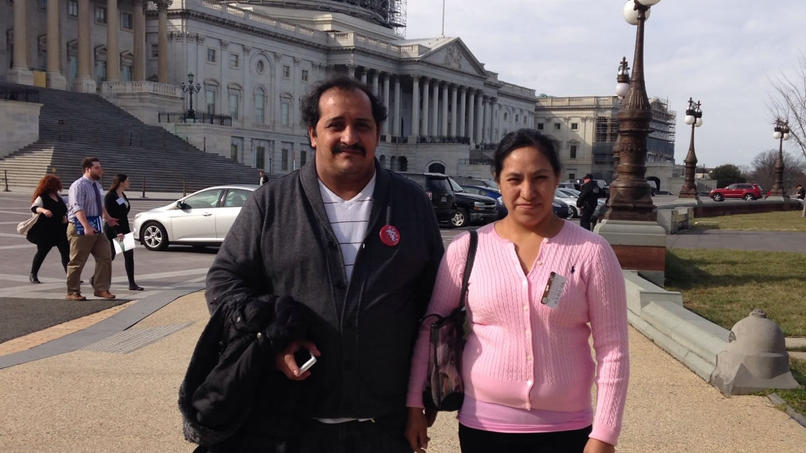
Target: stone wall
{"points": [[20, 122]]}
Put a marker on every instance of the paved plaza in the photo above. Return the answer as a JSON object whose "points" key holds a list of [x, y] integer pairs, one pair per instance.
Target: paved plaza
{"points": [[108, 381]]}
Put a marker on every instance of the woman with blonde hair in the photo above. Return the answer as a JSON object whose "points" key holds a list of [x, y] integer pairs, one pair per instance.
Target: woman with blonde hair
{"points": [[51, 228]]}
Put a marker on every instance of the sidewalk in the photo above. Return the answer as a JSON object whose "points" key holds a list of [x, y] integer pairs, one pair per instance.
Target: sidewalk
{"points": [[99, 398]]}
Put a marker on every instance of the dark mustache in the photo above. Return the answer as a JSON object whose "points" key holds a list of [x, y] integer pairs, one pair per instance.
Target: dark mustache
{"points": [[341, 148]]}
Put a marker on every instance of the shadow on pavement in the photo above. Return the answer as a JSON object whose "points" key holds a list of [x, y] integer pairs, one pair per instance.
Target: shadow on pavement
{"points": [[24, 316]]}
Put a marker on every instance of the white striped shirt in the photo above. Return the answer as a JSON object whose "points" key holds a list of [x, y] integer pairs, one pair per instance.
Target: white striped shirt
{"points": [[349, 220]]}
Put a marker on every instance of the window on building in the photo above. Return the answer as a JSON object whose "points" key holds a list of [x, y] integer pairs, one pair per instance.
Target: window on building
{"points": [[126, 72], [573, 151], [284, 114], [574, 126], [304, 75], [516, 118], [303, 158], [72, 8], [505, 116], [572, 176], [155, 50], [234, 103], [126, 21], [284, 158], [403, 163], [211, 55], [286, 71], [234, 60], [209, 96], [260, 100], [100, 15], [100, 70], [557, 126], [260, 157], [43, 4], [236, 149], [233, 150], [540, 126], [260, 66]]}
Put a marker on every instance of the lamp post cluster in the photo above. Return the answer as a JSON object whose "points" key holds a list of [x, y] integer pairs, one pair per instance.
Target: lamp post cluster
{"points": [[693, 118], [191, 88], [780, 133], [630, 194]]}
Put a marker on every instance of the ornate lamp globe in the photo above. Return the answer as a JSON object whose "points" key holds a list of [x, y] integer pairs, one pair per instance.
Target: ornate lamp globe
{"points": [[631, 10]]}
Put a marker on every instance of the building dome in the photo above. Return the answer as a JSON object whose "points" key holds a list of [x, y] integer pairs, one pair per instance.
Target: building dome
{"points": [[387, 13]]}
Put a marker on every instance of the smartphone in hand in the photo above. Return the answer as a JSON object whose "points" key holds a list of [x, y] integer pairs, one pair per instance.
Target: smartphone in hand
{"points": [[305, 360]]}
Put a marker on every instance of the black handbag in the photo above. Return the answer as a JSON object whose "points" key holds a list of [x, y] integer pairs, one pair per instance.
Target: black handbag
{"points": [[444, 389]]}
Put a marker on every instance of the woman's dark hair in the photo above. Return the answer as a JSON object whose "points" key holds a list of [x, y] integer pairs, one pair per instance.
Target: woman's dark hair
{"points": [[525, 138], [119, 179], [310, 103]]}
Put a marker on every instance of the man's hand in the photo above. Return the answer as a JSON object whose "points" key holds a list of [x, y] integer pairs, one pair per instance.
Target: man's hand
{"points": [[597, 446], [286, 364], [89, 231], [416, 430]]}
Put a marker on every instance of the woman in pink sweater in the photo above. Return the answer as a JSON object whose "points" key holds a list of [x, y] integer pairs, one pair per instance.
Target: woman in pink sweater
{"points": [[527, 364]]}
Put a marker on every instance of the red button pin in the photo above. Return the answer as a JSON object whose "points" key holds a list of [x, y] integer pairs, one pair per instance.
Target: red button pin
{"points": [[389, 235]]}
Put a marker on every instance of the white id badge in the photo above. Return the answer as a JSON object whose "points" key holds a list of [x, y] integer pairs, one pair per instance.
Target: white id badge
{"points": [[121, 201], [553, 291]]}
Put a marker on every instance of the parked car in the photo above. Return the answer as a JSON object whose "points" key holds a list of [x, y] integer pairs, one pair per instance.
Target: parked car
{"points": [[748, 191], [468, 181], [491, 192], [471, 208], [561, 209], [438, 189], [201, 218], [570, 196]]}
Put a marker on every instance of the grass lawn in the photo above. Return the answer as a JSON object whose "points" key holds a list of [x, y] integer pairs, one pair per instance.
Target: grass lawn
{"points": [[725, 285], [763, 221]]}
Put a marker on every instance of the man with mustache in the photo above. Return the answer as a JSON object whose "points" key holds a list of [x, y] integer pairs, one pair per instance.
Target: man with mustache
{"points": [[346, 253]]}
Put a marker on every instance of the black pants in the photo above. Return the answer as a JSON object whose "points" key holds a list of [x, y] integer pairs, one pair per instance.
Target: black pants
{"points": [[585, 218], [42, 252], [385, 435], [477, 441], [128, 263]]}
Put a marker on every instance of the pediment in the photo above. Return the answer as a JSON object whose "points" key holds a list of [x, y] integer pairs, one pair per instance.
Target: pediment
{"points": [[454, 55]]}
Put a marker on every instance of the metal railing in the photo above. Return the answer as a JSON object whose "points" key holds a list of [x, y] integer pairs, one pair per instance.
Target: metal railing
{"points": [[19, 94], [196, 118]]}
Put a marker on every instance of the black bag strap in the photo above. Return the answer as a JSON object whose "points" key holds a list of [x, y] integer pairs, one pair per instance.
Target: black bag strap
{"points": [[471, 256]]}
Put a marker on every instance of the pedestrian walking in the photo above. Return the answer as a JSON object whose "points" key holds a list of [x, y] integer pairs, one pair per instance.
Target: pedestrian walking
{"points": [[263, 179], [86, 214], [587, 201], [117, 205], [51, 228], [539, 287]]}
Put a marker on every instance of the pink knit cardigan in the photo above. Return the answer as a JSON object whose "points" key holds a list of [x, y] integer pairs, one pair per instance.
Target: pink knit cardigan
{"points": [[524, 354]]}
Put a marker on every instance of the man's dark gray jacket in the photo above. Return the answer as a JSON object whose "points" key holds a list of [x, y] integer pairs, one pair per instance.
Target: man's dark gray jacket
{"points": [[282, 244]]}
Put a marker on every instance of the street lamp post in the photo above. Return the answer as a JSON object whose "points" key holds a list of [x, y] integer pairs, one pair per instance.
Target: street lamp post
{"points": [[694, 118], [630, 194], [781, 133], [191, 88], [622, 88]]}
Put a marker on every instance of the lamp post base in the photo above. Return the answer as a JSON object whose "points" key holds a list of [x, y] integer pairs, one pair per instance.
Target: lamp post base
{"points": [[777, 197], [639, 246]]}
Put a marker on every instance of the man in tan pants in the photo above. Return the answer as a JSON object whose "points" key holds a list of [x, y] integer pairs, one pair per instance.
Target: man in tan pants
{"points": [[86, 214]]}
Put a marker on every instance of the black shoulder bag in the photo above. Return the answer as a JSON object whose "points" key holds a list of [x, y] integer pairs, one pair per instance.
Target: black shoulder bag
{"points": [[444, 389]]}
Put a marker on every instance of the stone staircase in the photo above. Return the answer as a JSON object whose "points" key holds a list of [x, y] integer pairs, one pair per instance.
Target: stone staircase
{"points": [[76, 125]]}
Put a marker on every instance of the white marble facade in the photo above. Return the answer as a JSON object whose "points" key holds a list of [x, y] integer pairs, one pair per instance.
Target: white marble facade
{"points": [[254, 63]]}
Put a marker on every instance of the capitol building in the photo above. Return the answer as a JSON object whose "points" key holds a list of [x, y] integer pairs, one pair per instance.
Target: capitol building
{"points": [[228, 77]]}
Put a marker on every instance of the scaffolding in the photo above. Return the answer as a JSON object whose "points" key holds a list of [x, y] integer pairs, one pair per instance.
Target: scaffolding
{"points": [[388, 13]]}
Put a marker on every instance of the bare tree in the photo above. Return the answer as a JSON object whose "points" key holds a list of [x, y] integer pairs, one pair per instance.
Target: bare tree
{"points": [[789, 102], [763, 170]]}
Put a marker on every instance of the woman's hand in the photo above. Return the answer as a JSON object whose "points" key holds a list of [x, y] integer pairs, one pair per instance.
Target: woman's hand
{"points": [[416, 430], [45, 212], [597, 446]]}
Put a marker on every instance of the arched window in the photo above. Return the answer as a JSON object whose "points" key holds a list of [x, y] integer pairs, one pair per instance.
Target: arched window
{"points": [[403, 163], [260, 106], [382, 160], [393, 164], [436, 167]]}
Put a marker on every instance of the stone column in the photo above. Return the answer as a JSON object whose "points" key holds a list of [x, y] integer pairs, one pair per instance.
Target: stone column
{"points": [[426, 89], [471, 118], [415, 106], [20, 72], [462, 114], [364, 76], [139, 37], [54, 75], [375, 77], [396, 115], [479, 125], [435, 109], [444, 130], [112, 48], [454, 107], [389, 117], [84, 82], [162, 31]]}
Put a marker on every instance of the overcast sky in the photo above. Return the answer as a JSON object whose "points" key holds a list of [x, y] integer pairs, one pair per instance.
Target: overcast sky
{"points": [[725, 53]]}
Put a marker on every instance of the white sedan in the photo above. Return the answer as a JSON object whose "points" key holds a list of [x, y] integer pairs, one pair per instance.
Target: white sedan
{"points": [[201, 218], [570, 196]]}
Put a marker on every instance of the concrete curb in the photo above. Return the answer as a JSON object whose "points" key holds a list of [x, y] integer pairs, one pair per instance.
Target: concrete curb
{"points": [[661, 317], [794, 415], [103, 329]]}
